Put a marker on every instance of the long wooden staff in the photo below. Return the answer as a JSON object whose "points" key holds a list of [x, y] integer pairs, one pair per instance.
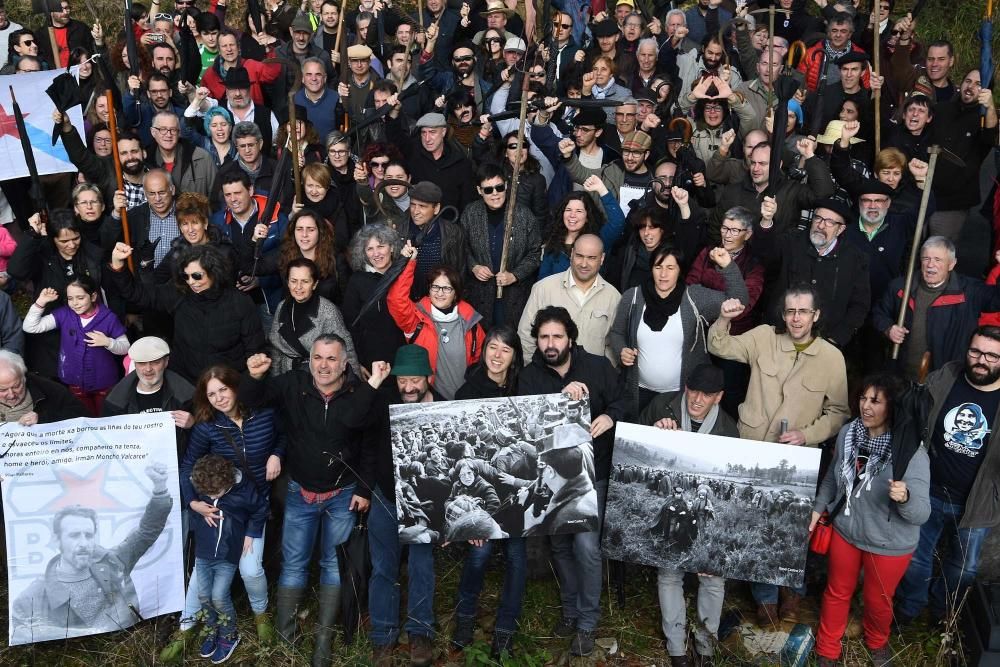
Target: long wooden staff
{"points": [[420, 13], [340, 33], [293, 135], [877, 16], [918, 233], [512, 194], [123, 212]]}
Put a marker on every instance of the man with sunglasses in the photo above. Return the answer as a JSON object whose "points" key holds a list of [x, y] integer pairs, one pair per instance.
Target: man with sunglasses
{"points": [[559, 52], [945, 309], [69, 33], [462, 71]]}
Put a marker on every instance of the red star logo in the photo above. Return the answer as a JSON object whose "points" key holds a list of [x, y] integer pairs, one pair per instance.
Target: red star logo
{"points": [[8, 124], [87, 490]]}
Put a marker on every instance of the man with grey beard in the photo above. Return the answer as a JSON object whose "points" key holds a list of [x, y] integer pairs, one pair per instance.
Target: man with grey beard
{"points": [[823, 259]]}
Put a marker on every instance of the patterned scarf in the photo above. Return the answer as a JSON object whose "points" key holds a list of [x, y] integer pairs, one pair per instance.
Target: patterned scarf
{"points": [[858, 443]]}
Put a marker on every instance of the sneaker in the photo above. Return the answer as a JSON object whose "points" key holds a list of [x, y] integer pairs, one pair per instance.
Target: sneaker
{"points": [[224, 649], [566, 627], [503, 642], [208, 646], [881, 657], [582, 643], [421, 650], [465, 628]]}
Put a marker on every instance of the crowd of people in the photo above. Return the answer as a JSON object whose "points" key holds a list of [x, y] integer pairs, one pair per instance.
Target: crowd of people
{"points": [[653, 239]]}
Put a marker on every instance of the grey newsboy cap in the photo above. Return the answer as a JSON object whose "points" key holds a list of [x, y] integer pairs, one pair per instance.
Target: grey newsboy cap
{"points": [[149, 348], [426, 192], [432, 120]]}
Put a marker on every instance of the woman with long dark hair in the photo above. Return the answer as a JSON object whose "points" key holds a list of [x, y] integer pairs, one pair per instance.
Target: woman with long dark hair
{"points": [[575, 216], [531, 185], [311, 237], [250, 439], [496, 375], [877, 491]]}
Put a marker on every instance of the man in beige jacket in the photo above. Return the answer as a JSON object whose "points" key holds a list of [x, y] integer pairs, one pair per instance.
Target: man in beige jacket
{"points": [[797, 395]]}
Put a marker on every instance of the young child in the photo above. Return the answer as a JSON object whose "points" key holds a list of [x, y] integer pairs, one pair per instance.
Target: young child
{"points": [[219, 541], [90, 337]]}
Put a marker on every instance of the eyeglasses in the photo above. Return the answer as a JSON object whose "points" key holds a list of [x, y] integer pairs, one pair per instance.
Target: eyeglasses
{"points": [[169, 131], [338, 152], [87, 203], [379, 164], [441, 289], [730, 231], [801, 312], [463, 59], [564, 26], [164, 17], [713, 107], [820, 221], [246, 147], [990, 357], [490, 189], [536, 75], [195, 275], [102, 140]]}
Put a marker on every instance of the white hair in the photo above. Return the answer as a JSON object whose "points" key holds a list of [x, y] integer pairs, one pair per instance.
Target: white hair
{"points": [[13, 362]]}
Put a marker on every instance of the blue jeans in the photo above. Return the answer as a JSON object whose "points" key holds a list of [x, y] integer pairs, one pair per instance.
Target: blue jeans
{"points": [[768, 593], [251, 571], [384, 587], [334, 520], [215, 578], [515, 575], [577, 560], [959, 557]]}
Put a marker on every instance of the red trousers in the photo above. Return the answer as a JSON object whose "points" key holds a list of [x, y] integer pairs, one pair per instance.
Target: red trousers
{"points": [[93, 401], [882, 573]]}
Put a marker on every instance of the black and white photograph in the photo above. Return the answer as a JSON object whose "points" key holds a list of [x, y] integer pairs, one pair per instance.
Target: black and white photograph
{"points": [[492, 468], [735, 508]]}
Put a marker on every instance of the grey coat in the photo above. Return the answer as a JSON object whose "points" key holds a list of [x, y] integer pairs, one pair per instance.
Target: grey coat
{"points": [[328, 320], [524, 254], [699, 307]]}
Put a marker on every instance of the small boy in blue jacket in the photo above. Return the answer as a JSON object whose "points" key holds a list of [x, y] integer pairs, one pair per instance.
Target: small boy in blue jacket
{"points": [[220, 542]]}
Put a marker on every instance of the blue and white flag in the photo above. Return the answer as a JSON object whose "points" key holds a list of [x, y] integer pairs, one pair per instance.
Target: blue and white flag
{"points": [[37, 107]]}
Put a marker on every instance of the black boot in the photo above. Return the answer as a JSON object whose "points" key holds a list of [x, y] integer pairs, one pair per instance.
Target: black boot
{"points": [[286, 605], [326, 619]]}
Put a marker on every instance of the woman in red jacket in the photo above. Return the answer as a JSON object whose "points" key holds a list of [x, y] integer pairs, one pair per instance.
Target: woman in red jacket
{"points": [[447, 327]]}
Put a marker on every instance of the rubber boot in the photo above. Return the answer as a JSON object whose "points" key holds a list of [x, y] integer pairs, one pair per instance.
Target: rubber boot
{"points": [[173, 652], [326, 619], [286, 605]]}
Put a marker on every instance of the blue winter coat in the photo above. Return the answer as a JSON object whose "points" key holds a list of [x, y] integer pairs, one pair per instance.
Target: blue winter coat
{"points": [[243, 511]]}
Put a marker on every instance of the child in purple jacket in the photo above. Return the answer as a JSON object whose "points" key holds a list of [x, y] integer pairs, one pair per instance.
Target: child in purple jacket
{"points": [[90, 337]]}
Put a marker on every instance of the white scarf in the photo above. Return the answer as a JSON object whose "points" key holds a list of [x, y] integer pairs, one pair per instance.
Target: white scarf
{"points": [[707, 425]]}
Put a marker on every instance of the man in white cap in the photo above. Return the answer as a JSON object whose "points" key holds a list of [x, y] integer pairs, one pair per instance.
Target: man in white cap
{"points": [[513, 51], [150, 387], [355, 89]]}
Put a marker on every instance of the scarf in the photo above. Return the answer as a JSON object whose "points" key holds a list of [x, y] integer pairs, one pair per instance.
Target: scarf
{"points": [[707, 425], [858, 442], [296, 320], [660, 309], [831, 55], [599, 93], [444, 316], [403, 202], [252, 173]]}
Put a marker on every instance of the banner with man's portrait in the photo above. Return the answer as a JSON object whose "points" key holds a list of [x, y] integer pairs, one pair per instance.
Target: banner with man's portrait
{"points": [[493, 468], [92, 516]]}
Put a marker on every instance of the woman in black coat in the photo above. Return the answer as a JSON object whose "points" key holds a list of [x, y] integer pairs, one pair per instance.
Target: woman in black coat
{"points": [[214, 323], [52, 255], [376, 336]]}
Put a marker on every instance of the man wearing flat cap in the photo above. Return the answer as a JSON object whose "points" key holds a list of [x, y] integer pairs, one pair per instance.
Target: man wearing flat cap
{"points": [[440, 241], [302, 46], [355, 90], [853, 85], [821, 258], [432, 157]]}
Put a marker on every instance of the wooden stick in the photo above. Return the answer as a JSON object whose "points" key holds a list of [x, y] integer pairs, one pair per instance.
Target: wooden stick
{"points": [[512, 192], [877, 14], [770, 56], [420, 14], [336, 42], [918, 233], [293, 136], [119, 178]]}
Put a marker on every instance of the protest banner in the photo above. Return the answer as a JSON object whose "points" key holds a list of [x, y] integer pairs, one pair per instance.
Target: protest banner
{"points": [[735, 508], [92, 516], [492, 468], [37, 107]]}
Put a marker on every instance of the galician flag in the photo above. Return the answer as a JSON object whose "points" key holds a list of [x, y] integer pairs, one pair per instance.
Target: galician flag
{"points": [[37, 108]]}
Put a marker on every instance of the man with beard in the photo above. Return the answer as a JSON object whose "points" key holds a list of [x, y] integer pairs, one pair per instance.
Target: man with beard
{"points": [[239, 101], [959, 127], [400, 67], [461, 74], [559, 365], [412, 369], [944, 309], [87, 588], [693, 66], [101, 170], [838, 270], [69, 34], [963, 479], [628, 180], [140, 109]]}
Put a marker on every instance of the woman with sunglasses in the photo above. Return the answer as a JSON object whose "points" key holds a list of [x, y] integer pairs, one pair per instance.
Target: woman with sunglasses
{"points": [[214, 323], [375, 159], [531, 185], [441, 322], [576, 215], [490, 61]]}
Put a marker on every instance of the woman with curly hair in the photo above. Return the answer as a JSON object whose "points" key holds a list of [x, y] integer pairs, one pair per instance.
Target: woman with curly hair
{"points": [[576, 215], [375, 159], [192, 213], [121, 67], [375, 333], [308, 235], [214, 323]]}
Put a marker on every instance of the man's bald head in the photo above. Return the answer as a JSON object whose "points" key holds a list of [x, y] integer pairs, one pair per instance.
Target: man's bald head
{"points": [[588, 256]]}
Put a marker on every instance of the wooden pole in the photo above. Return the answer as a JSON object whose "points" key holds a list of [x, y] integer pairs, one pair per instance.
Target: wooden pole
{"points": [[918, 233], [770, 56], [512, 192], [123, 212], [877, 14], [293, 137], [420, 15]]}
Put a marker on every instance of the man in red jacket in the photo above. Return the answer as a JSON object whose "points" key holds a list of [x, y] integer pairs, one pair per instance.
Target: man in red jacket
{"points": [[229, 57], [820, 62]]}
